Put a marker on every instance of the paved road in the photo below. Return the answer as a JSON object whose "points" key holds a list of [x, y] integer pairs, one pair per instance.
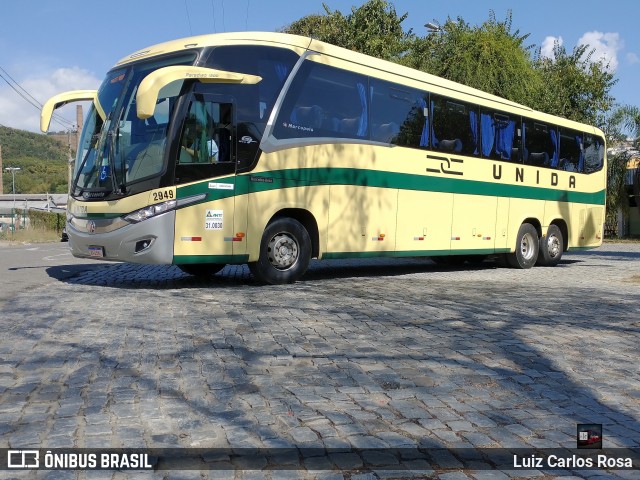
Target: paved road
{"points": [[360, 354]]}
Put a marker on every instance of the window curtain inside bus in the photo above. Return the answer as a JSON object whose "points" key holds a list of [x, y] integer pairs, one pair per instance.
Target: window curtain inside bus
{"points": [[424, 137], [581, 149], [555, 141], [282, 70], [505, 129], [473, 123], [362, 126], [487, 133], [434, 140]]}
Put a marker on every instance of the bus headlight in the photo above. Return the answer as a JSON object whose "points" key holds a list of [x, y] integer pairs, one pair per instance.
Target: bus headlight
{"points": [[151, 211], [160, 208]]}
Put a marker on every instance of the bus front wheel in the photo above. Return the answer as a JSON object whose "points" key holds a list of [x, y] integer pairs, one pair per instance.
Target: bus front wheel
{"points": [[285, 252], [551, 247], [527, 246]]}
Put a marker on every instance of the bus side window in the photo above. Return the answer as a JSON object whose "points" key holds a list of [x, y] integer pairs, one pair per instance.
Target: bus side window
{"points": [[206, 135], [541, 143], [205, 142], [325, 102], [571, 151], [593, 153], [398, 115], [454, 126], [501, 137]]}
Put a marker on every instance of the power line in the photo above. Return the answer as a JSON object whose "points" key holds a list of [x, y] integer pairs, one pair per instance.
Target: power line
{"points": [[30, 99], [224, 28], [186, 7], [213, 12]]}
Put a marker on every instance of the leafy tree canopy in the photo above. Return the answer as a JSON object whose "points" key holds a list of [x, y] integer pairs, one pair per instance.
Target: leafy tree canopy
{"points": [[41, 159], [374, 29], [491, 57]]}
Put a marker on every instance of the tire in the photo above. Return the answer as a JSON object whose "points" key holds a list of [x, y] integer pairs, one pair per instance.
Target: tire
{"points": [[285, 253], [201, 269], [551, 247], [527, 247]]}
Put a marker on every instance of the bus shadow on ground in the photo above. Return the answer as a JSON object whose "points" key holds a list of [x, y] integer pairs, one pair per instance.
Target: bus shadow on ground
{"points": [[126, 275]]}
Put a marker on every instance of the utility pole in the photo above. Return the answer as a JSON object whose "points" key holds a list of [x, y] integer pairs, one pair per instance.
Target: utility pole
{"points": [[1, 170], [13, 171]]}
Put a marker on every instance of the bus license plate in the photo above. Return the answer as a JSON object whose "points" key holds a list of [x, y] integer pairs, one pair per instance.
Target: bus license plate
{"points": [[96, 251]]}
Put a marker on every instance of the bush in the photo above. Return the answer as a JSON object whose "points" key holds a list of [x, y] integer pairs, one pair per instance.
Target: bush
{"points": [[44, 220]]}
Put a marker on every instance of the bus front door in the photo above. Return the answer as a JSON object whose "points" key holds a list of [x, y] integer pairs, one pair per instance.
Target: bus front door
{"points": [[206, 163]]}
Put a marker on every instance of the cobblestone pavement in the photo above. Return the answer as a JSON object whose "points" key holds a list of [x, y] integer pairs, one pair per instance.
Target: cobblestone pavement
{"points": [[364, 354]]}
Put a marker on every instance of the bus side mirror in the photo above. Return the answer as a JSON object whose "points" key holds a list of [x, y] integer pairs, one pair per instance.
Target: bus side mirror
{"points": [[149, 89], [62, 99]]}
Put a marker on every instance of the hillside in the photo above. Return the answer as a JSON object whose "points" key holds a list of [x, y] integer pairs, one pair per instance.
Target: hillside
{"points": [[41, 158]]}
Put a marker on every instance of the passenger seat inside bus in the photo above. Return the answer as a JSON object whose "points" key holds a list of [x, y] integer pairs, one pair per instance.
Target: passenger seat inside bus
{"points": [[385, 132], [454, 145], [307, 116], [539, 158]]}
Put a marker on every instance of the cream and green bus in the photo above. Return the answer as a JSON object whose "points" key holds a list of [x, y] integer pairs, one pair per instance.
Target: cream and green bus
{"points": [[272, 149]]}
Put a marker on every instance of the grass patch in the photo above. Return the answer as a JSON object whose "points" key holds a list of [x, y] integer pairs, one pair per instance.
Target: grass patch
{"points": [[31, 235], [631, 239]]}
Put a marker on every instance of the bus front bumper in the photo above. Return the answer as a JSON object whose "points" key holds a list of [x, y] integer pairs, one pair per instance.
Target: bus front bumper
{"points": [[148, 242]]}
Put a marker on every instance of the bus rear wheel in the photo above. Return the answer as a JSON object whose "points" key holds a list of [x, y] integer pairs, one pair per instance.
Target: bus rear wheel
{"points": [[201, 269], [551, 247], [285, 252], [527, 246]]}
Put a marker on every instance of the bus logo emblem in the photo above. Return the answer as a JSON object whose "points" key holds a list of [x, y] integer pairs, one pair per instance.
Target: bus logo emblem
{"points": [[91, 226]]}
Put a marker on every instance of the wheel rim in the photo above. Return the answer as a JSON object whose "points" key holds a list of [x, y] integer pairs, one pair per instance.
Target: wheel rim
{"points": [[553, 246], [283, 251], [527, 246]]}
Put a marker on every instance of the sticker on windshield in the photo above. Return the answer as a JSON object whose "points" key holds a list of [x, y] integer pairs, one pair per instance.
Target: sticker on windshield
{"points": [[104, 172], [213, 220]]}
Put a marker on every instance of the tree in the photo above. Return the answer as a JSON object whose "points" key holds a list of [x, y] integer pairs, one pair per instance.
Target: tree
{"points": [[574, 85], [490, 57], [374, 29]]}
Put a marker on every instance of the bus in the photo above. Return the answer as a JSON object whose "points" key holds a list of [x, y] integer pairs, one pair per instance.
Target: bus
{"points": [[273, 149]]}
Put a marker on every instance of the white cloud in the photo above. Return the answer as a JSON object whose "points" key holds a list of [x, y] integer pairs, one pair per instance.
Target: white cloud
{"points": [[546, 51], [606, 46], [15, 112], [632, 58]]}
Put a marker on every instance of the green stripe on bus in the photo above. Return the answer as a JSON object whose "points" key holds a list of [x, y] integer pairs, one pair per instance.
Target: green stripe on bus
{"points": [[221, 259], [413, 253], [292, 178]]}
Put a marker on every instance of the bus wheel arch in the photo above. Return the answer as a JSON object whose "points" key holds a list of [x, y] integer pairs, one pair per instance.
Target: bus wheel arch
{"points": [[285, 252], [308, 221], [552, 245], [527, 247]]}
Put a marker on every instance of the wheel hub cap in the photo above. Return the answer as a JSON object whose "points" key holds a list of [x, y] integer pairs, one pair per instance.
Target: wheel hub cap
{"points": [[283, 251], [553, 246], [526, 246]]}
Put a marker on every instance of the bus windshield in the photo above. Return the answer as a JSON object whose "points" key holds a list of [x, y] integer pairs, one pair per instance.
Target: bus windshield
{"points": [[117, 148]]}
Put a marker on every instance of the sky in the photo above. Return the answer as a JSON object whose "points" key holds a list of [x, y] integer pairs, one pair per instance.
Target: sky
{"points": [[51, 46]]}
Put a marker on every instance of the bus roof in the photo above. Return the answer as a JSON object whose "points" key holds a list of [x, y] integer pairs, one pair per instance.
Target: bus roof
{"points": [[298, 42]]}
